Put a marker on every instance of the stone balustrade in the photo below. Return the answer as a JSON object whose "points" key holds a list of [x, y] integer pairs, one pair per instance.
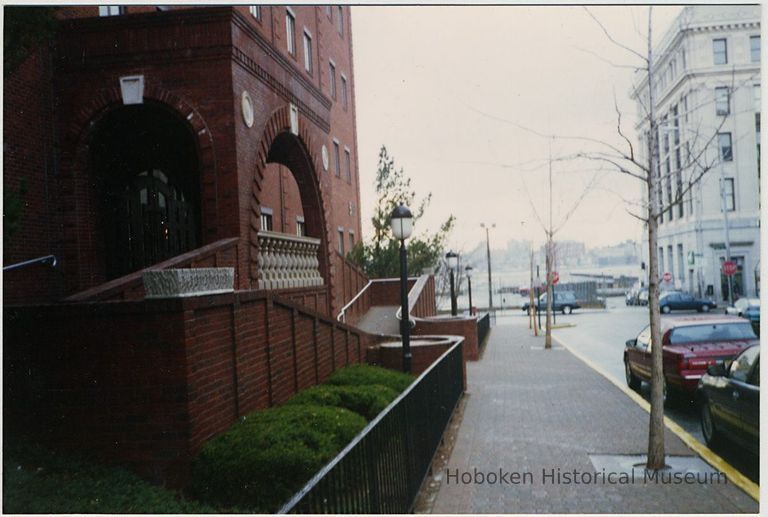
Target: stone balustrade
{"points": [[288, 261]]}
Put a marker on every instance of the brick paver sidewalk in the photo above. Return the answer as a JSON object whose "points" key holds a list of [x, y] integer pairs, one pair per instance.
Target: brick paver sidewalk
{"points": [[532, 411]]}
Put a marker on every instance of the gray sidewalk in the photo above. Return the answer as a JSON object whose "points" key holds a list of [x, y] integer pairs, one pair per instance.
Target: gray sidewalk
{"points": [[531, 411]]}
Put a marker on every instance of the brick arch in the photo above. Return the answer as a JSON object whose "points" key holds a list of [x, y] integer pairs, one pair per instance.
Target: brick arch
{"points": [[313, 197], [79, 248]]}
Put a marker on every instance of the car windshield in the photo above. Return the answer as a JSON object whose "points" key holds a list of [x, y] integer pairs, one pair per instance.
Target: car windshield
{"points": [[712, 332]]}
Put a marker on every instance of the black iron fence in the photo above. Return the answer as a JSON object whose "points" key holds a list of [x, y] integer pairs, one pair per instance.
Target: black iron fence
{"points": [[382, 469], [483, 327]]}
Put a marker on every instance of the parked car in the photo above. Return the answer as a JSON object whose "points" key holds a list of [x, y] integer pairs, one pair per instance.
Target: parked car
{"points": [[679, 301], [564, 302], [642, 296], [690, 346], [748, 308], [730, 401], [633, 296]]}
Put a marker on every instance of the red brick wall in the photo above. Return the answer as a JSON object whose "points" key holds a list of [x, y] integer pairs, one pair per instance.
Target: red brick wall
{"points": [[147, 383], [388, 292], [466, 327], [186, 56], [29, 158]]}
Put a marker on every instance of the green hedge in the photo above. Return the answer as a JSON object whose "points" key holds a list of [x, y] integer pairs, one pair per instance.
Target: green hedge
{"points": [[364, 374], [269, 455], [38, 480], [367, 401]]}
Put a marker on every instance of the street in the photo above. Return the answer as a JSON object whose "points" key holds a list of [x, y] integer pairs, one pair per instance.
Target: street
{"points": [[600, 336]]}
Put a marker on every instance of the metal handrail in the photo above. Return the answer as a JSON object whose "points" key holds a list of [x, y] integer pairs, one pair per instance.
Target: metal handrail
{"points": [[48, 258], [342, 316]]}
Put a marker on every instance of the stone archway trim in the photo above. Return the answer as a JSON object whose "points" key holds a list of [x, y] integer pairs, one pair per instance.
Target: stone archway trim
{"points": [[279, 122], [74, 170]]}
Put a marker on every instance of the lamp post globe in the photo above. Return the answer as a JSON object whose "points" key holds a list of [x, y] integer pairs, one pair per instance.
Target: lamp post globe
{"points": [[401, 222], [452, 259]]}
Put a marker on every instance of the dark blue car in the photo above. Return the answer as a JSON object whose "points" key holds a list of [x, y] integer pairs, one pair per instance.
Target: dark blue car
{"points": [[679, 301]]}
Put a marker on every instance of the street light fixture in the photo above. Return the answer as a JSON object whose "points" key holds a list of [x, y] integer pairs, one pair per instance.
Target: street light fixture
{"points": [[401, 222], [468, 272], [453, 260], [488, 251]]}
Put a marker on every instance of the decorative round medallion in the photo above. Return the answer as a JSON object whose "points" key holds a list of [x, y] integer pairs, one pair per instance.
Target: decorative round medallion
{"points": [[247, 108], [325, 158]]}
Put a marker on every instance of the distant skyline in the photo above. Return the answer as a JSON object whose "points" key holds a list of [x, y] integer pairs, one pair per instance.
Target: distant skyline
{"points": [[448, 88]]}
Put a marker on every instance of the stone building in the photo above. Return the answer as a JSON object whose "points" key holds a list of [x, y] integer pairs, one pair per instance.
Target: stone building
{"points": [[707, 91]]}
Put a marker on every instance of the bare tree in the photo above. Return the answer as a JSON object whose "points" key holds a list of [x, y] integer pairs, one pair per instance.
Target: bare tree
{"points": [[686, 175]]}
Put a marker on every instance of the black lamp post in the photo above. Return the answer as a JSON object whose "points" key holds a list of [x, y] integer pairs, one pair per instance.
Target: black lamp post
{"points": [[488, 250], [453, 260], [401, 222], [468, 271]]}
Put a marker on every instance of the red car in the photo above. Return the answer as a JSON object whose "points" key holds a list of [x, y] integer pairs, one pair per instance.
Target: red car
{"points": [[691, 344]]}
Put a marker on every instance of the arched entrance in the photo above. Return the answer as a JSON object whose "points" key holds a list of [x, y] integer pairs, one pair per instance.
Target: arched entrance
{"points": [[146, 160]]}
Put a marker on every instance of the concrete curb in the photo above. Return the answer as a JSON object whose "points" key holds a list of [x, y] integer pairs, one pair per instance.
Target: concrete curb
{"points": [[733, 475]]}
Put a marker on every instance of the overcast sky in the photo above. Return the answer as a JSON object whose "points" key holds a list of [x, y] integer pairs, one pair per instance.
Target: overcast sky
{"points": [[445, 89]]}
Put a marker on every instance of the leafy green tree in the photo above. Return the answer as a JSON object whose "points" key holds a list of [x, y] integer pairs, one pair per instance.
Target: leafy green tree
{"points": [[379, 257]]}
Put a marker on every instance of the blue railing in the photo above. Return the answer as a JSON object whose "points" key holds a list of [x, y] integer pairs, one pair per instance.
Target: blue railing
{"points": [[383, 468]]}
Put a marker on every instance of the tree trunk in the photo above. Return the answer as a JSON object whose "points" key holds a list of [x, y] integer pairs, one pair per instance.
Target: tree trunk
{"points": [[656, 453], [548, 334]]}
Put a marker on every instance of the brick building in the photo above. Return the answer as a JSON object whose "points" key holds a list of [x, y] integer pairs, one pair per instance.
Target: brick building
{"points": [[178, 137], [146, 134]]}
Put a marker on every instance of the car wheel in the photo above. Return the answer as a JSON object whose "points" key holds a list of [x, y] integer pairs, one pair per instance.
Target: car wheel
{"points": [[632, 381], [705, 308], [567, 309], [665, 309], [708, 429]]}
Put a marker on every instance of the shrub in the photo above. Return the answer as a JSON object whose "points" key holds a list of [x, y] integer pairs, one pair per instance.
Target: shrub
{"points": [[39, 480], [367, 401], [269, 455], [358, 374]]}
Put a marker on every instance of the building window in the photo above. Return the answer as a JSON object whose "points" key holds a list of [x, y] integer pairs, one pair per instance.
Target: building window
{"points": [[340, 20], [729, 195], [680, 263], [290, 31], [754, 48], [722, 100], [661, 259], [301, 227], [111, 10], [307, 51], [684, 102], [266, 219], [676, 124], [255, 11], [343, 91], [336, 159], [332, 78], [670, 261], [726, 149], [756, 96], [351, 239], [347, 165], [341, 240], [720, 51]]}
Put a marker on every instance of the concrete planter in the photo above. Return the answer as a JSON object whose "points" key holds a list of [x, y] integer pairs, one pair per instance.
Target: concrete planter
{"points": [[177, 283]]}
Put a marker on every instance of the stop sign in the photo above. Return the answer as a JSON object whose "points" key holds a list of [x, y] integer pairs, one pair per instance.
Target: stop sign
{"points": [[555, 277], [667, 276], [729, 268]]}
